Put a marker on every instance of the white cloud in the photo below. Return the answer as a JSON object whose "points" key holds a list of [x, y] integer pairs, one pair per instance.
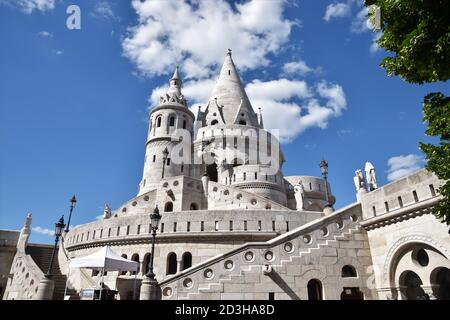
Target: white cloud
{"points": [[297, 67], [202, 33], [44, 231], [28, 6], [361, 22], [374, 47], [45, 34], [59, 52], [403, 165], [337, 10], [103, 10], [99, 217]]}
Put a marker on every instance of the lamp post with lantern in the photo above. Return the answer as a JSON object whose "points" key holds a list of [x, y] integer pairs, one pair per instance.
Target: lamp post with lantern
{"points": [[324, 169], [150, 289]]}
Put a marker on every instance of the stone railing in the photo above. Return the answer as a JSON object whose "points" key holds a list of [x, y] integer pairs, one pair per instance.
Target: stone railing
{"points": [[27, 275], [228, 197], [258, 255]]}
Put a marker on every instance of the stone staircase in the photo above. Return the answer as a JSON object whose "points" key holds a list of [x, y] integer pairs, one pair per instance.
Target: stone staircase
{"points": [[252, 258], [41, 255]]}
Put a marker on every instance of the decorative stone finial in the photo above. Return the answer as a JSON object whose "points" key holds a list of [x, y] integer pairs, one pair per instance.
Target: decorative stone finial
{"points": [[229, 52]]}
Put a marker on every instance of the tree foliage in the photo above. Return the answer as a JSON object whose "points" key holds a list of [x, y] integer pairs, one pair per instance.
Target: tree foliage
{"points": [[417, 32], [436, 108]]}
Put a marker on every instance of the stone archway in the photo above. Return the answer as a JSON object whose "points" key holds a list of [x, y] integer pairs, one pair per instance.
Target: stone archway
{"points": [[440, 283], [411, 286]]}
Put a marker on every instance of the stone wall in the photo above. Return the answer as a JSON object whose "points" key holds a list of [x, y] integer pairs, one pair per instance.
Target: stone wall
{"points": [[8, 244]]}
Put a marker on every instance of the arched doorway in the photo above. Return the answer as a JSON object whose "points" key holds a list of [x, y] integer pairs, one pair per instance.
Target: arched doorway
{"points": [[125, 257], [352, 293], [171, 267], [211, 170], [168, 207], [135, 257], [440, 277], [314, 290], [186, 261], [146, 263], [410, 284]]}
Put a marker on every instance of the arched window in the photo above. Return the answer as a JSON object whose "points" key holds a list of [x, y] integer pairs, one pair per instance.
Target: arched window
{"points": [[168, 207], [243, 122], [186, 260], [171, 263], [171, 121], [348, 272], [194, 206], [411, 286], [214, 122], [125, 257], [314, 290], [184, 124], [146, 263], [135, 257], [158, 122]]}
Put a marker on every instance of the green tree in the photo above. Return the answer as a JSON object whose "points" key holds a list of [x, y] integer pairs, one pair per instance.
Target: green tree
{"points": [[417, 33]]}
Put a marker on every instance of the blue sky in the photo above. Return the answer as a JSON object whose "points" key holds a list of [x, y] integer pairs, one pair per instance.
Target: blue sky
{"points": [[73, 103]]}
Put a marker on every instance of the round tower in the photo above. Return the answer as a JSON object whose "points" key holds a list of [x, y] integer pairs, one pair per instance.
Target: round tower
{"points": [[166, 121]]}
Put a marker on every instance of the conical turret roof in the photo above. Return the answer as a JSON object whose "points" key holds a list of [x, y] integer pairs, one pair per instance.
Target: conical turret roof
{"points": [[230, 94]]}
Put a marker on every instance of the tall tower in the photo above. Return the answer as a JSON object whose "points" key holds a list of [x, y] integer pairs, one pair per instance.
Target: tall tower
{"points": [[171, 114]]}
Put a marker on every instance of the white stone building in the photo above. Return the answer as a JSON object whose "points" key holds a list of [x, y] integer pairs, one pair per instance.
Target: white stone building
{"points": [[233, 227]]}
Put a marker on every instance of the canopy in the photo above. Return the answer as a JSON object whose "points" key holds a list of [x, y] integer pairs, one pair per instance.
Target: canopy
{"points": [[104, 259]]}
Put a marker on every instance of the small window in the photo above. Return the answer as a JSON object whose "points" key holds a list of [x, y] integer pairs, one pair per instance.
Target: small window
{"points": [[184, 124], [386, 206], [154, 158], [242, 122], [182, 167], [109, 234], [128, 230], [271, 295], [216, 225], [118, 231], [245, 176], [162, 227], [259, 225], [168, 207], [273, 225], [348, 272], [416, 198], [158, 122], [174, 227], [229, 72], [231, 225], [171, 121], [168, 161], [202, 226], [188, 227], [139, 229], [400, 202], [287, 226], [374, 210], [256, 176], [432, 190], [214, 122], [245, 225]]}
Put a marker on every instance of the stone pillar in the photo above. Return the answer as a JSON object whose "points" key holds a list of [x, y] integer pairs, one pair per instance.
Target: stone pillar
{"points": [[150, 289], [45, 289], [359, 193], [179, 265]]}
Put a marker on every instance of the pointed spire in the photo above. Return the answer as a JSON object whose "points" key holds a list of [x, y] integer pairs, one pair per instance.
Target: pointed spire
{"points": [[230, 93], [176, 75], [174, 94]]}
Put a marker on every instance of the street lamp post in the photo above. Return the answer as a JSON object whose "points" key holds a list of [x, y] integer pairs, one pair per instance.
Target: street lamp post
{"points": [[73, 202], [59, 226], [150, 289], [165, 156], [324, 169], [155, 217], [46, 286]]}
